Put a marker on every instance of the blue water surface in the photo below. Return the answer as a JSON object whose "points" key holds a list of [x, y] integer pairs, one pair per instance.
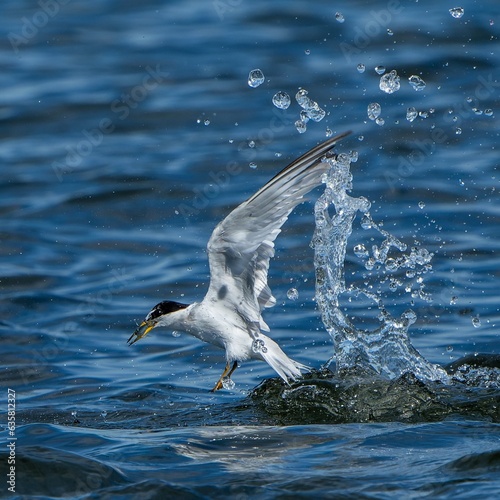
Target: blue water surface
{"points": [[128, 131]]}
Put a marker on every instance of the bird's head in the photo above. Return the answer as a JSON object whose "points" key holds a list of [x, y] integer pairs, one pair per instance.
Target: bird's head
{"points": [[158, 316]]}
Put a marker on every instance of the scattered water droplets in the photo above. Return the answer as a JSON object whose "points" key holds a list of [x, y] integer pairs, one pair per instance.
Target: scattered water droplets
{"points": [[301, 126], [361, 251], [227, 383], [390, 82], [457, 12], [339, 17], [302, 99], [255, 78], [374, 109], [281, 100], [316, 114], [417, 83], [258, 345], [411, 114], [175, 333]]}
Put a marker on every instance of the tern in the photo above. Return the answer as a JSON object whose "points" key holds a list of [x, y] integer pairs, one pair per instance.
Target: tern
{"points": [[239, 250]]}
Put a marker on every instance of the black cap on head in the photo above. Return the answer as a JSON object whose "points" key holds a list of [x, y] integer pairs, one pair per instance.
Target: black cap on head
{"points": [[165, 307]]}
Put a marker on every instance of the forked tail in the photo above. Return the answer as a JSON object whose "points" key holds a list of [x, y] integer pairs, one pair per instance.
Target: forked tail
{"points": [[285, 367]]}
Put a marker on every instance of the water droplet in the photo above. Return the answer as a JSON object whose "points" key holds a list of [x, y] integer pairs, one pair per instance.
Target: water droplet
{"points": [[389, 82], [227, 383], [304, 116], [104, 414], [258, 345], [300, 126], [302, 99], [251, 144], [353, 156], [175, 333], [339, 17], [255, 78], [252, 165], [476, 322], [391, 264], [423, 114], [411, 114], [361, 68], [328, 132], [453, 300], [370, 263], [316, 114], [417, 83], [361, 251], [380, 70], [421, 204], [206, 123], [390, 32], [458, 131], [292, 294], [374, 110], [457, 12], [449, 348], [477, 111], [281, 100], [409, 316], [361, 138], [366, 222], [488, 112], [380, 121], [307, 52]]}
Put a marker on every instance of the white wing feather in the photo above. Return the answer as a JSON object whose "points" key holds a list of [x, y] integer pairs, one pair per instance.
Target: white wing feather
{"points": [[242, 244]]}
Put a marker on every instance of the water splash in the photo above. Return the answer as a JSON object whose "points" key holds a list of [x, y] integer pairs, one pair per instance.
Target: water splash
{"points": [[386, 350]]}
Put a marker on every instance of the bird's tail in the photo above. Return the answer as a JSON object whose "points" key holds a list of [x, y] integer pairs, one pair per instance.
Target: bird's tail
{"points": [[286, 368]]}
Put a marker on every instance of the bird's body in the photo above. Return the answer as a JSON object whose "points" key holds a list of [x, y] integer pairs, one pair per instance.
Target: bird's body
{"points": [[239, 251]]}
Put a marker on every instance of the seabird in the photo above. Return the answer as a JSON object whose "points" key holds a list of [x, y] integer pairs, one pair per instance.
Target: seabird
{"points": [[239, 250]]}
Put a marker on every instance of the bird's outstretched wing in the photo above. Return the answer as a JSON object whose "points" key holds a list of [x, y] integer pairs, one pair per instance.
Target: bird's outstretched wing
{"points": [[242, 244]]}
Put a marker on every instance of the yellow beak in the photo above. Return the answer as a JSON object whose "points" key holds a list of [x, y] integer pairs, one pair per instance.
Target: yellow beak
{"points": [[141, 331]]}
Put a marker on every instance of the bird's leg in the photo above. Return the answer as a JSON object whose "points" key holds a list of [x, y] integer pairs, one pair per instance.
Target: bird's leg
{"points": [[228, 371]]}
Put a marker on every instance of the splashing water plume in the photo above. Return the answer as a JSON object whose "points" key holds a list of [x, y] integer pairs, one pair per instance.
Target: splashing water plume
{"points": [[386, 350]]}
